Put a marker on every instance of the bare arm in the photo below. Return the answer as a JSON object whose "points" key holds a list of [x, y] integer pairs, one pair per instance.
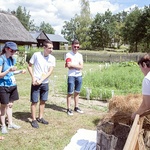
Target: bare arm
{"points": [[2, 74], [145, 105], [72, 66], [31, 73]]}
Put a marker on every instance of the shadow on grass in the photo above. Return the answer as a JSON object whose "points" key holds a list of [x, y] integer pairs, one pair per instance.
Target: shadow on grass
{"points": [[55, 107], [22, 116]]}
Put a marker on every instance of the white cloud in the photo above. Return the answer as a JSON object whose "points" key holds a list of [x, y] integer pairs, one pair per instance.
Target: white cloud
{"points": [[102, 6], [55, 12]]}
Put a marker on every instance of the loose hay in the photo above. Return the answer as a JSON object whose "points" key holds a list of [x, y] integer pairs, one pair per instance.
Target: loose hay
{"points": [[121, 108]]}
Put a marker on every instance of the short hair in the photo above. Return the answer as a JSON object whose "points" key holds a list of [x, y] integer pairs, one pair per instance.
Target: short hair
{"points": [[47, 42], [75, 41], [145, 59]]}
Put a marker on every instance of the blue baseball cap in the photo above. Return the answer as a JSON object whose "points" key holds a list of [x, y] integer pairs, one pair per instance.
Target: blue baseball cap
{"points": [[11, 45]]}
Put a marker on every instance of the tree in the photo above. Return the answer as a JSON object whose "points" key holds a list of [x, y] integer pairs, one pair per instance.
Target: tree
{"points": [[47, 28], [84, 21], [78, 27], [130, 31], [24, 18], [102, 31], [143, 26]]}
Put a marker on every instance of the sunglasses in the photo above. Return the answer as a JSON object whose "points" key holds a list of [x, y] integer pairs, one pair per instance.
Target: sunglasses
{"points": [[12, 51], [49, 47], [76, 47]]}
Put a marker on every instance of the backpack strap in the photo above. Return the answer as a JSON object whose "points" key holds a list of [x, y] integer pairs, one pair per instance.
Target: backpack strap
{"points": [[12, 61]]}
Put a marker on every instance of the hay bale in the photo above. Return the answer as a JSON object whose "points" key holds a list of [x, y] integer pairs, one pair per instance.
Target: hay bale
{"points": [[127, 104], [121, 108]]}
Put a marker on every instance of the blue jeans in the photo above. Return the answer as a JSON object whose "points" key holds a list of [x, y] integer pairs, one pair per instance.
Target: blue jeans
{"points": [[74, 84]]}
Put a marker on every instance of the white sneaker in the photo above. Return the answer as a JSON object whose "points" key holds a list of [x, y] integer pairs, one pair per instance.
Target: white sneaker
{"points": [[69, 112], [77, 109], [13, 126], [4, 130]]}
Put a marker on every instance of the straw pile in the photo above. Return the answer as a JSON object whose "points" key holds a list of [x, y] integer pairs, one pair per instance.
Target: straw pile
{"points": [[121, 108]]}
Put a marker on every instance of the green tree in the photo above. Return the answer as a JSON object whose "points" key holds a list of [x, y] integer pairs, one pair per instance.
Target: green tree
{"points": [[24, 18], [84, 21], [119, 24], [143, 26], [130, 30], [47, 28], [69, 29], [102, 30], [78, 27]]}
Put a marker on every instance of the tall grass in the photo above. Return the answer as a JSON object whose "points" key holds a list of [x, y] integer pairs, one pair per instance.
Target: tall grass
{"points": [[109, 79]]}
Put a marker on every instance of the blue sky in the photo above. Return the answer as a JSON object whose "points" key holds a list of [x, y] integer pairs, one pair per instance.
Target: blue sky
{"points": [[55, 12]]}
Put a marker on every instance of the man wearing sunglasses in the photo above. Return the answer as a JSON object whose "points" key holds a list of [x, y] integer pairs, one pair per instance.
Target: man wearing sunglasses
{"points": [[74, 63]]}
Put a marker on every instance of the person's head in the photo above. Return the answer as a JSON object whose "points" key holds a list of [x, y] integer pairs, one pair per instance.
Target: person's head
{"points": [[144, 63], [9, 48], [48, 47], [75, 46]]}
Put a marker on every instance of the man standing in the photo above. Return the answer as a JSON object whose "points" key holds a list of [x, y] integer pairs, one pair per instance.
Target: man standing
{"points": [[43, 64], [74, 63]]}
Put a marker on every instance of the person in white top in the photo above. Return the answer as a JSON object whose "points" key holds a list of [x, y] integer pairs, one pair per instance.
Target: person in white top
{"points": [[144, 64], [43, 65], [74, 63]]}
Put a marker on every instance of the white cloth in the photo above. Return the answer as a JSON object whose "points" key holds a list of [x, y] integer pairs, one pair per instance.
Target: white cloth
{"points": [[42, 64], [146, 85], [83, 140], [75, 60]]}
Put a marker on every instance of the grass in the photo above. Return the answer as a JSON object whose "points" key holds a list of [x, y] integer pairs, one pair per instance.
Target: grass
{"points": [[61, 128]]}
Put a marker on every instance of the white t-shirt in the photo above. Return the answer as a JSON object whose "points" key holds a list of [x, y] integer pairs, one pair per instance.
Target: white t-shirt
{"points": [[75, 59], [146, 85], [42, 64]]}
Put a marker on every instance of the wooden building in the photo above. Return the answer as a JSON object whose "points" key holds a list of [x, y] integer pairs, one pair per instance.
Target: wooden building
{"points": [[40, 36], [11, 29]]}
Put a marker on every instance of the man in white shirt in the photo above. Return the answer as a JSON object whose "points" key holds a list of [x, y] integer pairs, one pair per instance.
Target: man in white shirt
{"points": [[43, 64], [144, 64], [74, 63]]}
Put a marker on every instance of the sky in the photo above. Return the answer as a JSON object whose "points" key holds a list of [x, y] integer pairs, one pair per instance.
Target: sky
{"points": [[55, 12]]}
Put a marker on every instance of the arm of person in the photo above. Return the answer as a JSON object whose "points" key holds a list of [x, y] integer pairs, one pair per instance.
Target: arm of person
{"points": [[72, 66], [19, 72], [2, 74], [145, 105], [31, 73], [45, 76]]}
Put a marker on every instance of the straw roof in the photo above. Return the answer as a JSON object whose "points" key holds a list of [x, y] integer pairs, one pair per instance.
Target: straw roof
{"points": [[11, 29]]}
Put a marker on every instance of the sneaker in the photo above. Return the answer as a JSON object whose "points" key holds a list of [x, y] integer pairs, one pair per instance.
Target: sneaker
{"points": [[4, 130], [42, 121], [13, 126], [34, 124], [78, 110], [69, 112]]}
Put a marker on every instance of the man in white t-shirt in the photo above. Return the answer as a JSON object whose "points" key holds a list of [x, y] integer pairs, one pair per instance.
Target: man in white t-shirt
{"points": [[43, 64], [144, 64], [74, 63]]}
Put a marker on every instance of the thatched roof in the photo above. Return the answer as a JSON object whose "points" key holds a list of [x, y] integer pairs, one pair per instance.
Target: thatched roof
{"points": [[11, 29]]}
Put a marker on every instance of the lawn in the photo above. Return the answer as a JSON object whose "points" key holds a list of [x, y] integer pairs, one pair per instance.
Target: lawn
{"points": [[62, 127]]}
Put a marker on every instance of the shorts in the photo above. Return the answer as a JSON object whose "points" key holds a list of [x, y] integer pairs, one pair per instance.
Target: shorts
{"points": [[74, 84], [8, 94], [39, 91]]}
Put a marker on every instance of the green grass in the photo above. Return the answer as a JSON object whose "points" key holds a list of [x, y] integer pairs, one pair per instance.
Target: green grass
{"points": [[61, 128]]}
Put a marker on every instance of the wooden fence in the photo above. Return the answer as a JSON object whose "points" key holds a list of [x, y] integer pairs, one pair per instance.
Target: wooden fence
{"points": [[102, 56]]}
